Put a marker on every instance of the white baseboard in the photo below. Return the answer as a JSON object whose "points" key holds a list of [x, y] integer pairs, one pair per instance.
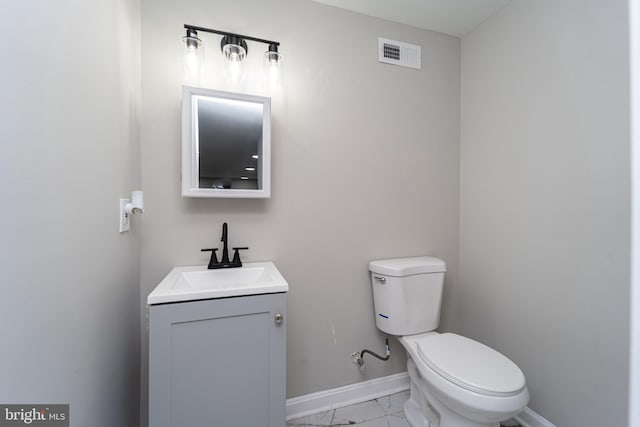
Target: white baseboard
{"points": [[529, 418], [340, 397], [302, 406]]}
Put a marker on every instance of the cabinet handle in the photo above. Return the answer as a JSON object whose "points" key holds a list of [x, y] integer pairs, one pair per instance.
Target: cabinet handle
{"points": [[279, 318]]}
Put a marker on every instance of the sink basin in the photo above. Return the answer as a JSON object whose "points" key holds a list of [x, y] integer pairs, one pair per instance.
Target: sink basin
{"points": [[197, 283]]}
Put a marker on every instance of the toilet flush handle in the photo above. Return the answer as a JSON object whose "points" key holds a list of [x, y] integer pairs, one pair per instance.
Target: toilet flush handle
{"points": [[380, 279]]}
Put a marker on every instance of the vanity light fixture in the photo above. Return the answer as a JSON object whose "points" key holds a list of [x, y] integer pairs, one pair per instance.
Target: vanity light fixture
{"points": [[235, 49]]}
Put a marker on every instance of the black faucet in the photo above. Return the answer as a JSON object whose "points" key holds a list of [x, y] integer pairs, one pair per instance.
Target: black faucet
{"points": [[224, 263], [225, 250]]}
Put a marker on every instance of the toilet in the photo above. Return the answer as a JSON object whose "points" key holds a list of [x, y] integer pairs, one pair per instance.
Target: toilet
{"points": [[455, 381]]}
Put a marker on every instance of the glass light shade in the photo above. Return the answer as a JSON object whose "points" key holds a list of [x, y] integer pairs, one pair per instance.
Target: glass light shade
{"points": [[234, 52], [272, 69], [192, 60]]}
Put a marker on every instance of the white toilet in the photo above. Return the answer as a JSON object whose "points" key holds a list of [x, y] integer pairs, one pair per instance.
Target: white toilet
{"points": [[455, 381]]}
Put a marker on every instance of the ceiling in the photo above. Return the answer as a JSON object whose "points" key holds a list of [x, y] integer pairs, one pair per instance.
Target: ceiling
{"points": [[453, 17]]}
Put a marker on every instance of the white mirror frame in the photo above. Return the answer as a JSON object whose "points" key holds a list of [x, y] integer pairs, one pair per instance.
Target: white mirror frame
{"points": [[190, 161]]}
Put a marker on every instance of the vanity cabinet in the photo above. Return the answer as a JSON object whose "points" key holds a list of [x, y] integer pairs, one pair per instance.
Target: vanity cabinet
{"points": [[218, 362]]}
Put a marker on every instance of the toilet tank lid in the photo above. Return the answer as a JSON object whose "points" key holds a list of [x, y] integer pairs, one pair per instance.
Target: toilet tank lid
{"points": [[400, 267]]}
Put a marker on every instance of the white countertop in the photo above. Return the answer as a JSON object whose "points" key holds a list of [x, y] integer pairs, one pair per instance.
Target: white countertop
{"points": [[197, 283]]}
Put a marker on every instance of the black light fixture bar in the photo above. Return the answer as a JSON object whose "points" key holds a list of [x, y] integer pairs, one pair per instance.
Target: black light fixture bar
{"points": [[225, 33]]}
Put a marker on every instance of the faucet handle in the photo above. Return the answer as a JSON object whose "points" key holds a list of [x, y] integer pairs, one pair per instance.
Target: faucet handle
{"points": [[236, 255], [214, 259]]}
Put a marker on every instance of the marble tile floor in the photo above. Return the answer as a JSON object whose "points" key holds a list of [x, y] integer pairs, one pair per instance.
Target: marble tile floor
{"points": [[385, 411]]}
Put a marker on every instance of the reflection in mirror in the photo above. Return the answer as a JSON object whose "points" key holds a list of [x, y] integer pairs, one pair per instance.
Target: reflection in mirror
{"points": [[226, 144], [229, 143]]}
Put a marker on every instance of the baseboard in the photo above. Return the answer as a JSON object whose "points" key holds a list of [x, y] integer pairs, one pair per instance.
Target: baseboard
{"points": [[326, 400], [529, 418], [302, 406]]}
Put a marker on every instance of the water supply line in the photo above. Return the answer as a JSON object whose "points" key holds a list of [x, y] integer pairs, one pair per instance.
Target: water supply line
{"points": [[358, 357]]}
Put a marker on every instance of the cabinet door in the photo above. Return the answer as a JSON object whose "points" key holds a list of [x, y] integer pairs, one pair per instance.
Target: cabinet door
{"points": [[218, 363]]}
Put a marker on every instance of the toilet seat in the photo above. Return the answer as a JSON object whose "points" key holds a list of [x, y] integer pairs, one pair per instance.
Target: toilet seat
{"points": [[470, 364]]}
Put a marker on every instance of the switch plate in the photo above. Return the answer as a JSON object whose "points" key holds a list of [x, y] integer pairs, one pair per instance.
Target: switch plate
{"points": [[125, 220]]}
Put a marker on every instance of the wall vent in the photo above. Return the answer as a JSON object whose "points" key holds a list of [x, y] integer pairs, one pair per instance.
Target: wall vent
{"points": [[399, 53]]}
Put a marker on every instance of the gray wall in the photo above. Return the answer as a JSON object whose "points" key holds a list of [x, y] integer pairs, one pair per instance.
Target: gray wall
{"points": [[365, 166], [69, 150], [544, 254], [634, 362]]}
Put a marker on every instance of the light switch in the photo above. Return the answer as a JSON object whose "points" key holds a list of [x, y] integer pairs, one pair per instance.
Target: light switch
{"points": [[125, 220]]}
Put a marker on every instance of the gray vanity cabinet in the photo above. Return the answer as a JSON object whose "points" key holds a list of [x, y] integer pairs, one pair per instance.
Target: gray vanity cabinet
{"points": [[218, 362]]}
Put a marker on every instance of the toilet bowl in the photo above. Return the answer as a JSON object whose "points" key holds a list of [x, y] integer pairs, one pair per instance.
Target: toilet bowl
{"points": [[467, 383], [455, 381]]}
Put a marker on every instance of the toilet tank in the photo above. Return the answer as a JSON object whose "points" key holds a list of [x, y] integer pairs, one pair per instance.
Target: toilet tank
{"points": [[407, 294]]}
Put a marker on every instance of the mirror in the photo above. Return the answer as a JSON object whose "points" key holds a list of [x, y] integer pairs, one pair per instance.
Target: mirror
{"points": [[226, 144]]}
